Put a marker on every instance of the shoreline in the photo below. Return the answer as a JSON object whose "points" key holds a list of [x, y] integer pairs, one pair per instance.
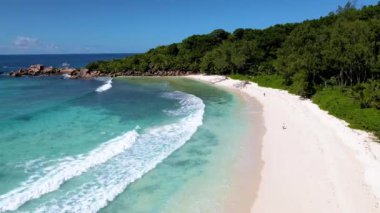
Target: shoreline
{"points": [[246, 177], [248, 164], [245, 173], [317, 163], [243, 176]]}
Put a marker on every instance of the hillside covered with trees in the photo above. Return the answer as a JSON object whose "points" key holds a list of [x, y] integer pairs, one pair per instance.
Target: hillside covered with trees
{"points": [[334, 60]]}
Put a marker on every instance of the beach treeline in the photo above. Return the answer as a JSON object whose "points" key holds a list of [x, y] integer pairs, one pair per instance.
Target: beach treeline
{"points": [[335, 60]]}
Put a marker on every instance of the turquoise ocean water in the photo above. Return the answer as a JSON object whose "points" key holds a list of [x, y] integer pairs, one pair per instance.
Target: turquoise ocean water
{"points": [[120, 145]]}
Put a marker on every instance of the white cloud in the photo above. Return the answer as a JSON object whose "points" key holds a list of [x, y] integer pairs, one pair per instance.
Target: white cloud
{"points": [[32, 44], [23, 42], [52, 46]]}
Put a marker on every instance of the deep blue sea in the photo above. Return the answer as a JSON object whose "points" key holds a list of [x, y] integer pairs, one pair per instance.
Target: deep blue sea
{"points": [[115, 145], [13, 62]]}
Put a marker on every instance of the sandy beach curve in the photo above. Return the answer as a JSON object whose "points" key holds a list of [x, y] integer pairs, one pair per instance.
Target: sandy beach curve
{"points": [[312, 161]]}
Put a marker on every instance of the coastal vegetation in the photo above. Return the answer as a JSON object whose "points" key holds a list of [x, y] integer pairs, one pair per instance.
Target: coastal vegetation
{"points": [[334, 60]]}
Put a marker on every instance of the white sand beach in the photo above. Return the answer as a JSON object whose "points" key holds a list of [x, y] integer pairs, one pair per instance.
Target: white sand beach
{"points": [[312, 161]]}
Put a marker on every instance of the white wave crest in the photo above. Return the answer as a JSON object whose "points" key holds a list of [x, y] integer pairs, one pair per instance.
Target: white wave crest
{"points": [[106, 86], [186, 104], [66, 76], [111, 178], [53, 176]]}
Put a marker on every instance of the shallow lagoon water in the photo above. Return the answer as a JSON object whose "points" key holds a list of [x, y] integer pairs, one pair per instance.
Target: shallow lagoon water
{"points": [[181, 160]]}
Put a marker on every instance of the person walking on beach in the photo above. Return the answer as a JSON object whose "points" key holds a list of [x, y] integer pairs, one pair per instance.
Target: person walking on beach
{"points": [[283, 126]]}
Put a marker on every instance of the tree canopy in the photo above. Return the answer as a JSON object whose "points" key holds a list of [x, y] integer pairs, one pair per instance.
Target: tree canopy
{"points": [[341, 49]]}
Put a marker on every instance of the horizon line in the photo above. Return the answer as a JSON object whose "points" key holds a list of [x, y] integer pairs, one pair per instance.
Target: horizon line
{"points": [[68, 54]]}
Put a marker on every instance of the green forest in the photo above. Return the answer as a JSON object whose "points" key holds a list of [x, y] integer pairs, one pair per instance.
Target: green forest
{"points": [[333, 60]]}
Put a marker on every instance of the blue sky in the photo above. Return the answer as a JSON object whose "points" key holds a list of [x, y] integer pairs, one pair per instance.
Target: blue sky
{"points": [[108, 26]]}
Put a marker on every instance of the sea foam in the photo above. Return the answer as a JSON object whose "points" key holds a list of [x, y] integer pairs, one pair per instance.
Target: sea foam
{"points": [[106, 86], [151, 148], [53, 176]]}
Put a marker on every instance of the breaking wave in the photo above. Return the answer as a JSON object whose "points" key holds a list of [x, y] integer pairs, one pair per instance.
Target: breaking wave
{"points": [[111, 178], [52, 177], [106, 86], [107, 170]]}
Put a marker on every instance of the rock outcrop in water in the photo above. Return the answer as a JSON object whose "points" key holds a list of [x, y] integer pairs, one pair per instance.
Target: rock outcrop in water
{"points": [[41, 70]]}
